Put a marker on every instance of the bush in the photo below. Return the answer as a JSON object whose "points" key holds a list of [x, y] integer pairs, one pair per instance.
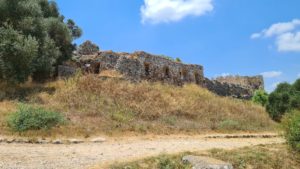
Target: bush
{"points": [[285, 98], [260, 97], [33, 118], [178, 60], [291, 124]]}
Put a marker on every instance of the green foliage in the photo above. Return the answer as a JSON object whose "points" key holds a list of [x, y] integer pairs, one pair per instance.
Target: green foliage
{"points": [[166, 163], [285, 98], [291, 124], [17, 53], [76, 31], [88, 48], [296, 85], [32, 118], [159, 162], [171, 59], [178, 60], [35, 28], [44, 65], [167, 57], [260, 97]]}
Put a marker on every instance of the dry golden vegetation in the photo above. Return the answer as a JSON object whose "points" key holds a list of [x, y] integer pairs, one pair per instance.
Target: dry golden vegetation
{"points": [[97, 105], [257, 157]]}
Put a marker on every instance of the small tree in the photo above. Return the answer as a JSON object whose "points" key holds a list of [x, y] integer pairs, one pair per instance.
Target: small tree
{"points": [[33, 39], [260, 97], [88, 48], [279, 101]]}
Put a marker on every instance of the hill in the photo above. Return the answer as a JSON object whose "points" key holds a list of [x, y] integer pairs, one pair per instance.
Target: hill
{"points": [[112, 106]]}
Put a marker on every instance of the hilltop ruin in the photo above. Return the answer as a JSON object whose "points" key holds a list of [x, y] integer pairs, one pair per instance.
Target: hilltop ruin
{"points": [[140, 65]]}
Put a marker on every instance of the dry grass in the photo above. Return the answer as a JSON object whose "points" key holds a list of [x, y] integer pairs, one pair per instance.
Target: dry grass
{"points": [[257, 157], [114, 106]]}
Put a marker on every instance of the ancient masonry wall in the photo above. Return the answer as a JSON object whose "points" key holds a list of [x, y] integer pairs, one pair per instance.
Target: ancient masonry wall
{"points": [[143, 66]]}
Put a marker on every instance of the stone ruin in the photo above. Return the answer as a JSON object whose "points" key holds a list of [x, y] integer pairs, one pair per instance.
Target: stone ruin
{"points": [[140, 66]]}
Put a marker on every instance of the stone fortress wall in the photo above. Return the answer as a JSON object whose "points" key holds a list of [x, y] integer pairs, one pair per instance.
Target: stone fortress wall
{"points": [[140, 65]]}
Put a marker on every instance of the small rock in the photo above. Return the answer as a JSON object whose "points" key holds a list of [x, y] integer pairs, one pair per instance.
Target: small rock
{"points": [[10, 140], [75, 141], [98, 140], [21, 140], [42, 141], [201, 162], [57, 141]]}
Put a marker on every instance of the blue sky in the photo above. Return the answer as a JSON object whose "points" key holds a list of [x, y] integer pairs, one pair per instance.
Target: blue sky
{"points": [[225, 36]]}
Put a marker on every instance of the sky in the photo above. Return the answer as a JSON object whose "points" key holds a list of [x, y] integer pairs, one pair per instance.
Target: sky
{"points": [[227, 37]]}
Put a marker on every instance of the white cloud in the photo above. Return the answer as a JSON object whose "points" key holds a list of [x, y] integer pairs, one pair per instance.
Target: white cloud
{"points": [[271, 74], [255, 35], [277, 29], [157, 11], [287, 35], [289, 42]]}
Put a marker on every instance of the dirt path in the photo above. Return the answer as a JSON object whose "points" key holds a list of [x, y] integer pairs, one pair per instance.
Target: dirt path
{"points": [[86, 155]]}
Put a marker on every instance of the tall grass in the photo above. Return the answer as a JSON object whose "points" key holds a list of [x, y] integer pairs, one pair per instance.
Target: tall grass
{"points": [[96, 105], [114, 105]]}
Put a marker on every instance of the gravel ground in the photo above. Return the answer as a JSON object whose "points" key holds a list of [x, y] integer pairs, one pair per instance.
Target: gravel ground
{"points": [[89, 155]]}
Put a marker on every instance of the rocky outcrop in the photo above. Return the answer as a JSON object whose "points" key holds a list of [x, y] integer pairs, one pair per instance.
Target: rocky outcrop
{"points": [[140, 65]]}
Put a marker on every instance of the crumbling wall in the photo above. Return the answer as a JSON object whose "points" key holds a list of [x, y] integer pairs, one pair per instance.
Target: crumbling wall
{"points": [[253, 82], [227, 89], [143, 66], [139, 66]]}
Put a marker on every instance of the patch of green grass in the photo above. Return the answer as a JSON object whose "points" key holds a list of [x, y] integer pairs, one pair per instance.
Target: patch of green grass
{"points": [[122, 116], [256, 157], [170, 120], [33, 118], [160, 162], [259, 157]]}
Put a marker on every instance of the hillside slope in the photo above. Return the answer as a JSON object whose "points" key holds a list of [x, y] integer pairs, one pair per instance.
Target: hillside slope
{"points": [[96, 105]]}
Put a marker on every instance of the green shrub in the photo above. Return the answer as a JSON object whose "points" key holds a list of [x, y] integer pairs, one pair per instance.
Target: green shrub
{"points": [[291, 124], [260, 97], [166, 162], [178, 60], [33, 118]]}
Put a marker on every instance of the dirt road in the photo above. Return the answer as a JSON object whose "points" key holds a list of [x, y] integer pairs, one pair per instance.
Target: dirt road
{"points": [[86, 155]]}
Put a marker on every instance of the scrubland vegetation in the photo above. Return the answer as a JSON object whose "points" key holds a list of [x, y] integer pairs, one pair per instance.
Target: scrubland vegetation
{"points": [[283, 105], [257, 157], [93, 105]]}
